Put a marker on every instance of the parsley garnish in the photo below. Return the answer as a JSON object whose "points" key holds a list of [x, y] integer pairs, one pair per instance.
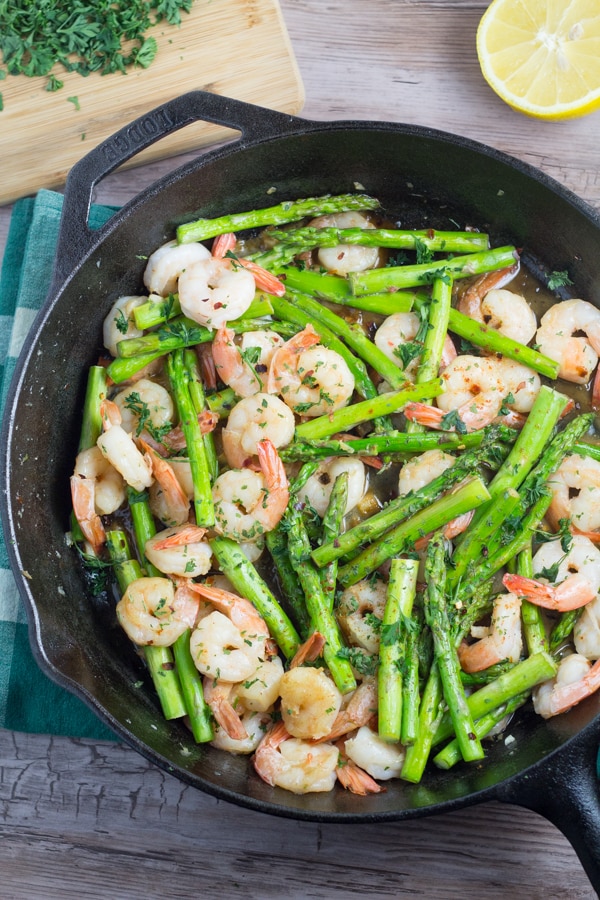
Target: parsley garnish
{"points": [[558, 279]]}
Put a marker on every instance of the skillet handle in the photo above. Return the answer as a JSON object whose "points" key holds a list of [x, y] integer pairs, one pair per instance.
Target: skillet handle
{"points": [[75, 237], [565, 790]]}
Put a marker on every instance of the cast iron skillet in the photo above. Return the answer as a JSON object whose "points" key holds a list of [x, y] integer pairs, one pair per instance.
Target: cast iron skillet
{"points": [[426, 178]]}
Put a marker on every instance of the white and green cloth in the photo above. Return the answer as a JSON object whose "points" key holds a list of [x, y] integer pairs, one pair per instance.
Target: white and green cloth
{"points": [[29, 701]]}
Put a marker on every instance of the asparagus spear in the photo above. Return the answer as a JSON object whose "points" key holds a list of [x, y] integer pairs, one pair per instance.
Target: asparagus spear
{"points": [[410, 685], [198, 398], [221, 402], [403, 536], [337, 290], [451, 754], [249, 584], [430, 714], [433, 345], [158, 659], [321, 614], [392, 648], [288, 211], [349, 416], [436, 614], [522, 677], [353, 336], [391, 442], [95, 393], [333, 521], [532, 616], [190, 681], [374, 281], [400, 239], [203, 500]]}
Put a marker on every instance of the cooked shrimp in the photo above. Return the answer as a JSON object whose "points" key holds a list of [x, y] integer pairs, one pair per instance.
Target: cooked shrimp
{"points": [[577, 579], [312, 380], [260, 692], [165, 265], [224, 244], [248, 503], [109, 487], [560, 337], [212, 291], [400, 329], [218, 695], [146, 403], [310, 702], [153, 612], [254, 725], [474, 292], [253, 420], [294, 764], [244, 368], [243, 615], [576, 493], [575, 680], [508, 313], [84, 509], [422, 469], [345, 258], [476, 389], [378, 758], [358, 708], [118, 447], [180, 550], [502, 640], [352, 777], [222, 651], [119, 325], [317, 489], [359, 608], [168, 500], [586, 632]]}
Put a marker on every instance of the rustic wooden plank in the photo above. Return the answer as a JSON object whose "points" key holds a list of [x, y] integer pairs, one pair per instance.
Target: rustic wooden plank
{"points": [[97, 819]]}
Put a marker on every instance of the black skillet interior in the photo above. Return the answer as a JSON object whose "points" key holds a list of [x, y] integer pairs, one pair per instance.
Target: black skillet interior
{"points": [[424, 179]]}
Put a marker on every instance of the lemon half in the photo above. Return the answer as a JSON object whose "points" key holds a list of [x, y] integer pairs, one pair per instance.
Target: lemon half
{"points": [[542, 57]]}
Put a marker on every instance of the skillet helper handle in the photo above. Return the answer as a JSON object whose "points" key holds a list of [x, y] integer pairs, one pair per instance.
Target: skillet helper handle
{"points": [[566, 791], [75, 237]]}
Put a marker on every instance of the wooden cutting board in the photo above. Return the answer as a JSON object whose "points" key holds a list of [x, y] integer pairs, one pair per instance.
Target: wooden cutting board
{"points": [[236, 48]]}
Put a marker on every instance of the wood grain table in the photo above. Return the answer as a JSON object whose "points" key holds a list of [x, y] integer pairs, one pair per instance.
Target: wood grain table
{"points": [[95, 820]]}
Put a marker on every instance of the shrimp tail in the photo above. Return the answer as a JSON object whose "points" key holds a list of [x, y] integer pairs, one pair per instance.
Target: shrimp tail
{"points": [[355, 779], [574, 592], [222, 245], [265, 281], [192, 534], [83, 497], [566, 696], [310, 650]]}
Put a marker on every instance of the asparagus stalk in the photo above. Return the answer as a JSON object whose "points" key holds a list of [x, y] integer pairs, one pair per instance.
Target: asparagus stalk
{"points": [[354, 336], [321, 614], [158, 659], [349, 416], [585, 449], [396, 511], [451, 754], [189, 678], [337, 290], [563, 628], [402, 537], [288, 211], [333, 521], [436, 615], [159, 310], [391, 442], [433, 345], [495, 342], [221, 402], [520, 461], [121, 369], [392, 648], [249, 584], [533, 619], [188, 418], [95, 393], [291, 312], [398, 239], [375, 281], [198, 398], [522, 677], [410, 685], [430, 714]]}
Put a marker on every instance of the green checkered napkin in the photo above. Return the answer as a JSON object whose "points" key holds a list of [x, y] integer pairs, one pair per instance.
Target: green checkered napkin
{"points": [[29, 701]]}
